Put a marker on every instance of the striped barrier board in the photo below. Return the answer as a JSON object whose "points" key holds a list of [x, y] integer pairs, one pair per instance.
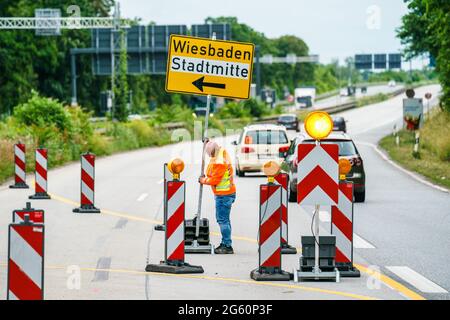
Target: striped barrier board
{"points": [[317, 174], [40, 182], [174, 235], [174, 225], [25, 262], [35, 216], [20, 175], [87, 184], [269, 239], [283, 180], [342, 228]]}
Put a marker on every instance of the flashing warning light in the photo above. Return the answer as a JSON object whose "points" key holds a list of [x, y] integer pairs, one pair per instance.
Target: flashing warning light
{"points": [[344, 167], [318, 124], [176, 166], [271, 169]]}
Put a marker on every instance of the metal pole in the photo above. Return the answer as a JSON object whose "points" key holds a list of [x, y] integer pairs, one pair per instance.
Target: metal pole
{"points": [[316, 233], [205, 135], [258, 72], [73, 66]]}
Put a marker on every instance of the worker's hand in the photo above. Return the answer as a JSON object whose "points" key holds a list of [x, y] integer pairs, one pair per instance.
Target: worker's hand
{"points": [[202, 179]]}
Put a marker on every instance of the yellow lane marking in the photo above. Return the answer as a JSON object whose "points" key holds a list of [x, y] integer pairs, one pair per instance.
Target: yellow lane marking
{"points": [[220, 279], [390, 282], [107, 212], [385, 279], [136, 218]]}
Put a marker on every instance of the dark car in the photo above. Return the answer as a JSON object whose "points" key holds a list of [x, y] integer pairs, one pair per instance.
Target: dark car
{"points": [[339, 124], [347, 149], [290, 121]]}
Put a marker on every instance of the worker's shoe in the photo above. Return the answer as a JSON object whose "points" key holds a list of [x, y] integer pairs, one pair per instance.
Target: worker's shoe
{"points": [[223, 249]]}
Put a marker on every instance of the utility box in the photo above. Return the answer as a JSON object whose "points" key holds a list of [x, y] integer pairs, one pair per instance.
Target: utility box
{"points": [[327, 253]]}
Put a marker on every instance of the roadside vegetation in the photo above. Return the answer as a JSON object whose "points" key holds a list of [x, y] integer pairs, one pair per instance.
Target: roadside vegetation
{"points": [[68, 131], [434, 159]]}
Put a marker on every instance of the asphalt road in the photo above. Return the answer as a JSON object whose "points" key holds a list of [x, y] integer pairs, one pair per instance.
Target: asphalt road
{"points": [[408, 222], [107, 253], [371, 90]]}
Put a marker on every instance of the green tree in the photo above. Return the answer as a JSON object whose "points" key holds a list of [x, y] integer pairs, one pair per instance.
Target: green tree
{"points": [[121, 91], [42, 63], [426, 29]]}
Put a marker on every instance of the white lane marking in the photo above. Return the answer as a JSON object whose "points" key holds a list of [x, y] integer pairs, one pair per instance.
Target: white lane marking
{"points": [[142, 197], [416, 280], [324, 216], [360, 243], [411, 174], [160, 181]]}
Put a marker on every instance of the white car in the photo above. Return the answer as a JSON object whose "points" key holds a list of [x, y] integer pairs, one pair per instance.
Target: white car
{"points": [[258, 144], [392, 83]]}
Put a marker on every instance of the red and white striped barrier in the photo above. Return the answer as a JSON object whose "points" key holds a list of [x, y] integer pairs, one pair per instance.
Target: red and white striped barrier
{"points": [[20, 175], [34, 215], [40, 181], [270, 212], [342, 228], [283, 180], [174, 202], [318, 174], [87, 184], [26, 261], [175, 222], [317, 184]]}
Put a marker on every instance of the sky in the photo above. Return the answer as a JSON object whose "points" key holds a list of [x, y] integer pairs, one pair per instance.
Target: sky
{"points": [[334, 29]]}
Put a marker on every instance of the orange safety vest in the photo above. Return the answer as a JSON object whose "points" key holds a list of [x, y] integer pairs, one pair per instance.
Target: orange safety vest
{"points": [[219, 174]]}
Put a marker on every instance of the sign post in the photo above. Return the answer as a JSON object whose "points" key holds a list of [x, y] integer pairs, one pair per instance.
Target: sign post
{"points": [[208, 67], [413, 118]]}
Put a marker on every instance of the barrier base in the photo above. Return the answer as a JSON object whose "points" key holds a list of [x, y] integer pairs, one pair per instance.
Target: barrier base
{"points": [[259, 275], [38, 196], [348, 271], [182, 268], [314, 276], [86, 209], [288, 249], [197, 248], [19, 186], [160, 227]]}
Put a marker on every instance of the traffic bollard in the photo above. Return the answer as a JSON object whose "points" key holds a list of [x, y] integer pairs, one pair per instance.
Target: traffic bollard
{"points": [[20, 175], [25, 279], [283, 180], [87, 184], [269, 236], [174, 255], [342, 228], [40, 181]]}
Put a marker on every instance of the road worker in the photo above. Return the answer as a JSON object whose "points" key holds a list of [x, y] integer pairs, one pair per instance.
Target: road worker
{"points": [[219, 175]]}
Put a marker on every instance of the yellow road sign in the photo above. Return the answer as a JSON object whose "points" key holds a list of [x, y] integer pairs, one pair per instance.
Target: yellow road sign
{"points": [[203, 66]]}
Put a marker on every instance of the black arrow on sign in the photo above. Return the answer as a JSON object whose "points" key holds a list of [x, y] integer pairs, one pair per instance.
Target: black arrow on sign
{"points": [[200, 83]]}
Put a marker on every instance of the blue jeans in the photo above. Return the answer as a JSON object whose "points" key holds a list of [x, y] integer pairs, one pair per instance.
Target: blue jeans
{"points": [[223, 209]]}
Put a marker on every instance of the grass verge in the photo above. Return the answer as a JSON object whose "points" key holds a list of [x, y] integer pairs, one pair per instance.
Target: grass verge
{"points": [[434, 160]]}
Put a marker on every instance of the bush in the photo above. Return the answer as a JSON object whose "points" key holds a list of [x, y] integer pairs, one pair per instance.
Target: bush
{"points": [[257, 109], [43, 112], [233, 110]]}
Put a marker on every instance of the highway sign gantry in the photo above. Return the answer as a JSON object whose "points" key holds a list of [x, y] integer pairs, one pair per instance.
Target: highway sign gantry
{"points": [[209, 67]]}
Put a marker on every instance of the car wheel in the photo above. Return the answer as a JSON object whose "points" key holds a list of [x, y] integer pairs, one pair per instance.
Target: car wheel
{"points": [[292, 196], [239, 172], [360, 196]]}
